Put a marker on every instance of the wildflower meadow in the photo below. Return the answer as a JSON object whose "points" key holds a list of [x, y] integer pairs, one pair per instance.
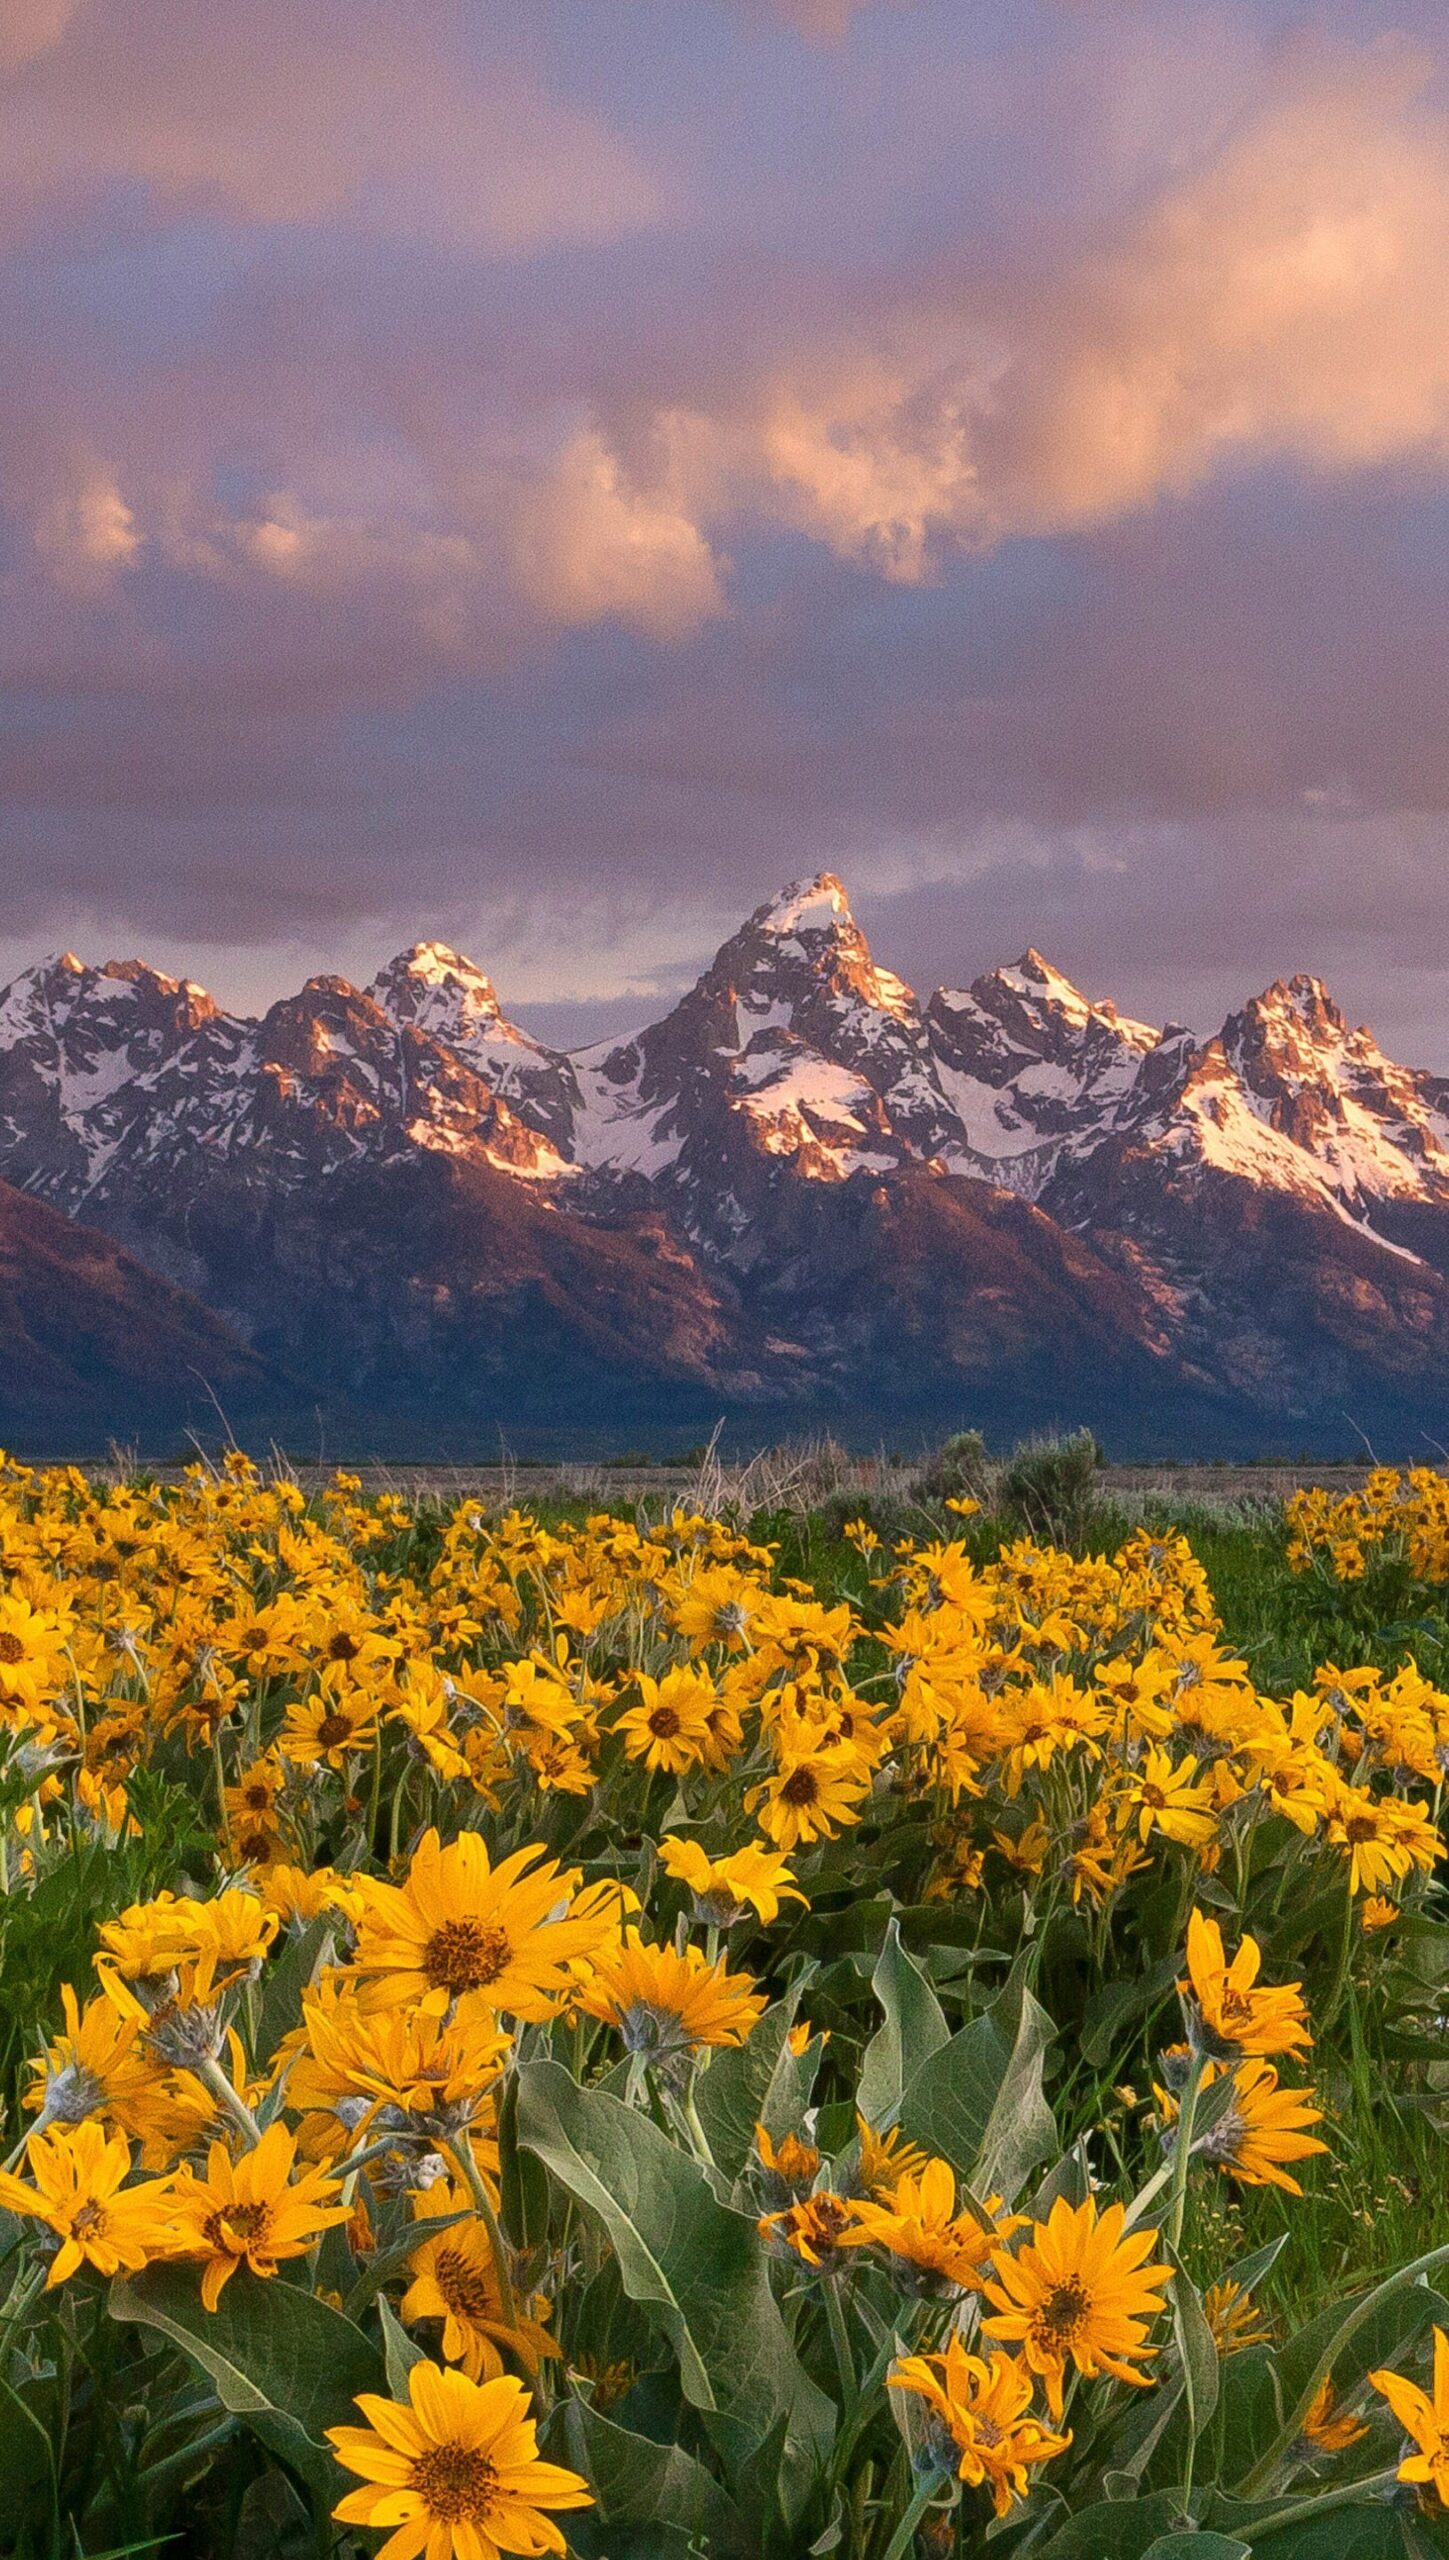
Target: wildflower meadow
{"points": [[685, 2036]]}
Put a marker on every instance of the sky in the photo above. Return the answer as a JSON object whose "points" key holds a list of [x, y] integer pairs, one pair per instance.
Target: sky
{"points": [[543, 473]]}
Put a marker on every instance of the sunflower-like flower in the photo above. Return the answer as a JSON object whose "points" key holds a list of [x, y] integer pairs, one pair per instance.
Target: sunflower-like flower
{"points": [[454, 2278], [100, 2066], [251, 2211], [460, 1928], [669, 1728], [1264, 2126], [727, 1890], [667, 2002], [1079, 2291], [983, 2409], [817, 1788], [933, 2246], [1424, 2416], [1167, 1796], [349, 2062], [456, 2471], [813, 2232], [80, 2193], [1238, 2014]]}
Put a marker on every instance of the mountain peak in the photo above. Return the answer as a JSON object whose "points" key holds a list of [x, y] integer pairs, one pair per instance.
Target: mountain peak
{"points": [[805, 907], [436, 988]]}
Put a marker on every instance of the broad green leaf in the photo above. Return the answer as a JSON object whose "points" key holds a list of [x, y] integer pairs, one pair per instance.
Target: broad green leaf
{"points": [[914, 2027], [275, 2355], [1196, 2351], [636, 2482], [758, 2082], [1197, 2546], [399, 2352], [947, 2107], [1114, 2530], [26, 2465], [695, 2265], [1021, 2131], [288, 1976], [1347, 2342]]}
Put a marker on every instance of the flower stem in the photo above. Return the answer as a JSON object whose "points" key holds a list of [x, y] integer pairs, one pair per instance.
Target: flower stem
{"points": [[215, 2079], [905, 2532], [462, 2153]]}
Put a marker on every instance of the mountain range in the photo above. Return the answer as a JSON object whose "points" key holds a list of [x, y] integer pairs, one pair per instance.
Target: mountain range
{"points": [[801, 1196]]}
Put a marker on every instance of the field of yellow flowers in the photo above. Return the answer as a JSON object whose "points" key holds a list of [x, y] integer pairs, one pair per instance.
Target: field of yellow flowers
{"points": [[530, 2035]]}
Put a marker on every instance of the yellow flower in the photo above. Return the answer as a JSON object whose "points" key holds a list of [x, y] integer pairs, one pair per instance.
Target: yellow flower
{"points": [[816, 1789], [814, 2231], [1264, 2126], [1079, 2291], [455, 2280], [1377, 1913], [456, 2471], [1234, 2318], [942, 2250], [460, 1927], [80, 2193], [321, 1731], [251, 2211], [100, 2066], [1327, 2427], [727, 1890], [1168, 1796], [348, 2061], [1424, 2418], [984, 2408], [791, 2166], [884, 2159], [669, 1728], [666, 2003], [1239, 2015]]}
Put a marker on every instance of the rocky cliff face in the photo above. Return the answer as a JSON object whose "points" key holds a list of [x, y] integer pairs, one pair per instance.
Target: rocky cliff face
{"points": [[800, 1187]]}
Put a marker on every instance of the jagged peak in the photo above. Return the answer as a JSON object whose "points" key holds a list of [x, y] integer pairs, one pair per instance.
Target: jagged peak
{"points": [[428, 973], [805, 906]]}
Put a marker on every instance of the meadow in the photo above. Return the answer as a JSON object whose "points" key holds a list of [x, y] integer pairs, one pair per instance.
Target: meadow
{"points": [[790, 2017]]}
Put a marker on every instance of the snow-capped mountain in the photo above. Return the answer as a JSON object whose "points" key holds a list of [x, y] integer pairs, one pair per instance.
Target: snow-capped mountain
{"points": [[798, 1181]]}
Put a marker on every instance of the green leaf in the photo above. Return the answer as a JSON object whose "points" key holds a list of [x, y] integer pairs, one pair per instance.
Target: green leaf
{"points": [[695, 2265], [1126, 2532], [1197, 2546], [636, 2482], [1378, 2327], [274, 2354], [758, 2082], [400, 2352], [977, 2100], [1021, 2131], [289, 1975], [948, 2105], [914, 2028], [1196, 2350], [25, 2457]]}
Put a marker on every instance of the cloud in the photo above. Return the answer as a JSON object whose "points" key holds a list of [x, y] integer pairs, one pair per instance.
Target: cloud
{"points": [[88, 533], [31, 27], [591, 547], [338, 110]]}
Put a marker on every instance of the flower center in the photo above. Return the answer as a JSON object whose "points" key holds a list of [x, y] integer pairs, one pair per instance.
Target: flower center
{"points": [[1360, 1826], [90, 2220], [664, 1721], [342, 1647], [465, 1955], [235, 2228], [1064, 2311], [800, 1787], [11, 1648], [455, 2483], [333, 1729], [463, 2286]]}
